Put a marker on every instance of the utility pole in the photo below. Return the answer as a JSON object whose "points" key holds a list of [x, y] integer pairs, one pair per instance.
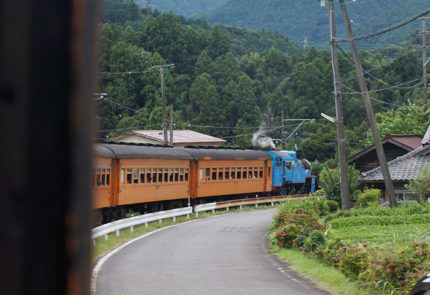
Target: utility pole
{"points": [[171, 125], [161, 68], [423, 20], [343, 172], [369, 109], [282, 131]]}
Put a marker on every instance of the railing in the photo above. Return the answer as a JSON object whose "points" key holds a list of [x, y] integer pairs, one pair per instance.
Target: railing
{"points": [[118, 225]]}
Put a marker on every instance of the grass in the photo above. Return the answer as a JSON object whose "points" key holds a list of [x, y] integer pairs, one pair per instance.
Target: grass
{"points": [[326, 277], [102, 246], [385, 236]]}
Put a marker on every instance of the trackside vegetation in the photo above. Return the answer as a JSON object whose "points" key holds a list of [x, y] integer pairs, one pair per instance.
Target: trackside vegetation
{"points": [[378, 248]]}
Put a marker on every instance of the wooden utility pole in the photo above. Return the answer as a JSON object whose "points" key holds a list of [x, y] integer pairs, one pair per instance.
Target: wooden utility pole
{"points": [[282, 131], [161, 68], [344, 188], [171, 125], [369, 109], [423, 20]]}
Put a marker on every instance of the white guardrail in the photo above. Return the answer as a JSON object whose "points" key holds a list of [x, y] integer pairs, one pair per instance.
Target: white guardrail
{"points": [[118, 225]]}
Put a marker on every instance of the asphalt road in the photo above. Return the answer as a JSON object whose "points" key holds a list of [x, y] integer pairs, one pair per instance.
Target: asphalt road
{"points": [[220, 255]]}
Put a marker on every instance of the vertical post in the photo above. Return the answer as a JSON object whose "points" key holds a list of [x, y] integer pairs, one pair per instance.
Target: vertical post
{"points": [[423, 20], [344, 189], [171, 125], [163, 96], [369, 109], [282, 131]]}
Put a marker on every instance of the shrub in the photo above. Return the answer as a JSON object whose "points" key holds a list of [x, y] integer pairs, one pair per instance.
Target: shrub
{"points": [[333, 206], [330, 181], [369, 198], [353, 261], [286, 235], [315, 239], [380, 220]]}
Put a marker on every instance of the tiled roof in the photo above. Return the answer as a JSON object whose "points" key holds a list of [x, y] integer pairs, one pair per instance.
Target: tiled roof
{"points": [[179, 136], [404, 168], [426, 138]]}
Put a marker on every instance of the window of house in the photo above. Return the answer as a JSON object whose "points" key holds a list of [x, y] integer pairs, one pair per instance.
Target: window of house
{"points": [[129, 175], [186, 174], [176, 174], [405, 196], [135, 175], [142, 175], [227, 173]]}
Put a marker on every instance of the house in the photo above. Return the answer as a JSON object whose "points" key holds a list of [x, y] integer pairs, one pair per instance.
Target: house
{"points": [[402, 170], [394, 145], [181, 138]]}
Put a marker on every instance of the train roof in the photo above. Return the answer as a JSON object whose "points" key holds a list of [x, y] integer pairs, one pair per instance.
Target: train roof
{"points": [[148, 151], [226, 154], [141, 151]]}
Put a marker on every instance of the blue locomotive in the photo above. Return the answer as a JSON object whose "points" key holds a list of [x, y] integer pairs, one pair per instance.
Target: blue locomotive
{"points": [[291, 175]]}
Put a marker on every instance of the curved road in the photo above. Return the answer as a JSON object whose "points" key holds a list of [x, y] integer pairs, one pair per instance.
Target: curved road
{"points": [[220, 255]]}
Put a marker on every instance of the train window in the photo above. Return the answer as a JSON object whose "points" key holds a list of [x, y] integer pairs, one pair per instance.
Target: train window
{"points": [[288, 166], [245, 173], [233, 173], [220, 173], [261, 172], [201, 174], [268, 171], [135, 175], [250, 172], [213, 173], [255, 172], [278, 162], [103, 176], [171, 174], [208, 174], [239, 173], [166, 174], [122, 175], [142, 175], [182, 175], [148, 175], [227, 173], [186, 174], [160, 174], [93, 176], [176, 174], [107, 176], [129, 175], [154, 175], [98, 182]]}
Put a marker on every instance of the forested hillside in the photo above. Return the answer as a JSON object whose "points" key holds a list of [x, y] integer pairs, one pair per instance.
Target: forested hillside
{"points": [[183, 7], [297, 19], [227, 81]]}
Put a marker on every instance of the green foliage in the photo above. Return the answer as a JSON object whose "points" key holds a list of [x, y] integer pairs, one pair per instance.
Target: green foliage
{"points": [[379, 220], [330, 181], [369, 198], [421, 185], [315, 240]]}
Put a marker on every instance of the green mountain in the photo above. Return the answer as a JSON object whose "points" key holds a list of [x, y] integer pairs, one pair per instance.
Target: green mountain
{"points": [[183, 7], [298, 19]]}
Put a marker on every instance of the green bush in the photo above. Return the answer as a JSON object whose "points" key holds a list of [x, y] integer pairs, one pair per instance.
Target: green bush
{"points": [[315, 239], [330, 181], [380, 220], [333, 206], [369, 198], [286, 235]]}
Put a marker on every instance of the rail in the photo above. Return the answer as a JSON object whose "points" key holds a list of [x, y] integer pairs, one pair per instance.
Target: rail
{"points": [[116, 226]]}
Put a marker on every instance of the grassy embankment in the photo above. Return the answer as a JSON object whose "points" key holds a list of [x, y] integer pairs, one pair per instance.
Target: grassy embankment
{"points": [[361, 251]]}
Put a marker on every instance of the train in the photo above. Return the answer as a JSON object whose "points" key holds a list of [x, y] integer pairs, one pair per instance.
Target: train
{"points": [[146, 178]]}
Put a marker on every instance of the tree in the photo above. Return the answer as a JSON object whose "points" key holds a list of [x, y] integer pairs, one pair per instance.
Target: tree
{"points": [[421, 185]]}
